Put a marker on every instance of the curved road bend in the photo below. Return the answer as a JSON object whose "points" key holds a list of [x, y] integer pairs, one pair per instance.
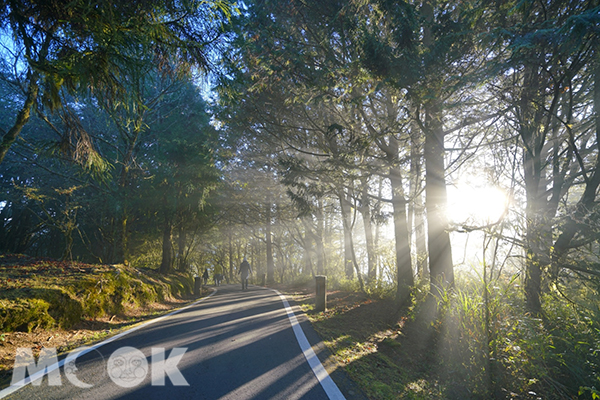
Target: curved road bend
{"points": [[240, 345]]}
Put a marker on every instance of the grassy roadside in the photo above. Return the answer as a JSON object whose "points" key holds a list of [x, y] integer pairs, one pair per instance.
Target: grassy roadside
{"points": [[368, 338], [442, 349], [46, 303]]}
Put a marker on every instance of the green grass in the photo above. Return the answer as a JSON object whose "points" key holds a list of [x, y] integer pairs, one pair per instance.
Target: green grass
{"points": [[47, 294], [444, 349]]}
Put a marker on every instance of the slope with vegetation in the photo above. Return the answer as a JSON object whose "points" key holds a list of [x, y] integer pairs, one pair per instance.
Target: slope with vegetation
{"points": [[47, 294], [49, 303]]}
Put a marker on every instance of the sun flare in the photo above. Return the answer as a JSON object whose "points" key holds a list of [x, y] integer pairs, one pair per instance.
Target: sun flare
{"points": [[476, 204]]}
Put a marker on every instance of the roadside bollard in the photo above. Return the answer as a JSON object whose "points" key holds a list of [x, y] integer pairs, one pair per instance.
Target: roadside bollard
{"points": [[263, 278], [197, 285], [321, 295]]}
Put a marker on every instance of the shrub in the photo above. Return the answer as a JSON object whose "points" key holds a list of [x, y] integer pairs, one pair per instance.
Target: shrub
{"points": [[59, 297], [30, 309], [24, 315], [497, 348]]}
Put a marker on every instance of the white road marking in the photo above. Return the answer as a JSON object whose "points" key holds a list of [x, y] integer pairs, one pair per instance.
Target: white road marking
{"points": [[13, 388], [329, 386], [331, 389]]}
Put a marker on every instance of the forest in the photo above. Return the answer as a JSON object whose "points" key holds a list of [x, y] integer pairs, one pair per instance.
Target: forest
{"points": [[415, 151]]}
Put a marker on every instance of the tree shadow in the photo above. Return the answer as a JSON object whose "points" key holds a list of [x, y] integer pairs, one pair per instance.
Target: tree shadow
{"points": [[402, 343]]}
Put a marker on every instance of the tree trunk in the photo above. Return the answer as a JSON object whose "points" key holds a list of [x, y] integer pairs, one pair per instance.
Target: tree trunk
{"points": [[377, 235], [167, 247], [320, 248], [538, 234], [118, 243], [20, 228], [350, 256], [230, 257], [365, 211], [269, 241], [122, 239], [420, 239], [438, 240], [438, 244], [417, 220], [307, 259], [347, 226], [181, 248], [405, 279], [22, 117]]}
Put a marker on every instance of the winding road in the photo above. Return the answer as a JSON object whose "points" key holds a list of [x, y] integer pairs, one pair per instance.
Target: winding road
{"points": [[230, 345]]}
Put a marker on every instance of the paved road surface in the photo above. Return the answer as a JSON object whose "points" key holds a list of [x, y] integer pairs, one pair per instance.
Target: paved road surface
{"points": [[240, 345]]}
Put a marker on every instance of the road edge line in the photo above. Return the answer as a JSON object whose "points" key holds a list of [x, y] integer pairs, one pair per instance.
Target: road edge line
{"points": [[40, 374], [330, 387]]}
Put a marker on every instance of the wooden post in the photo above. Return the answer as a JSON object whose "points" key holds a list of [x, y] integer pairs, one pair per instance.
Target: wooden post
{"points": [[321, 295], [197, 285]]}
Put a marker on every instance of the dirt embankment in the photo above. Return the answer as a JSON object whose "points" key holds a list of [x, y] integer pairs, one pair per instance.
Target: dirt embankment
{"points": [[51, 304]]}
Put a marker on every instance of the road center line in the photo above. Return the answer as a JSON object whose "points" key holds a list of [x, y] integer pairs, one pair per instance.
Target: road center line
{"points": [[331, 389]]}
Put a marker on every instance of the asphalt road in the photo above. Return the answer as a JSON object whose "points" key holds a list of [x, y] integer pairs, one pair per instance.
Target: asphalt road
{"points": [[232, 345]]}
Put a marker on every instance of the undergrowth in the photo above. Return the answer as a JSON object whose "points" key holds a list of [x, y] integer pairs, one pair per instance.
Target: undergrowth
{"points": [[499, 350], [475, 341], [46, 294]]}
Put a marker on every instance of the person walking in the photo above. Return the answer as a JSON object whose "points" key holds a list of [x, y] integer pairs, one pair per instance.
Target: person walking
{"points": [[205, 276], [218, 279], [218, 275], [245, 272]]}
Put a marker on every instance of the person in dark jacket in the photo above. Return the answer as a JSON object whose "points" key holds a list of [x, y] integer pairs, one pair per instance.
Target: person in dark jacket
{"points": [[245, 272]]}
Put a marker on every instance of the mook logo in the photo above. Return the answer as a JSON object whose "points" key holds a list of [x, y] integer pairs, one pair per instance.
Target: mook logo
{"points": [[127, 367]]}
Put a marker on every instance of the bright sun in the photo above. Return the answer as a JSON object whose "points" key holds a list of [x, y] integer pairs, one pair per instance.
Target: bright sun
{"points": [[476, 204]]}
